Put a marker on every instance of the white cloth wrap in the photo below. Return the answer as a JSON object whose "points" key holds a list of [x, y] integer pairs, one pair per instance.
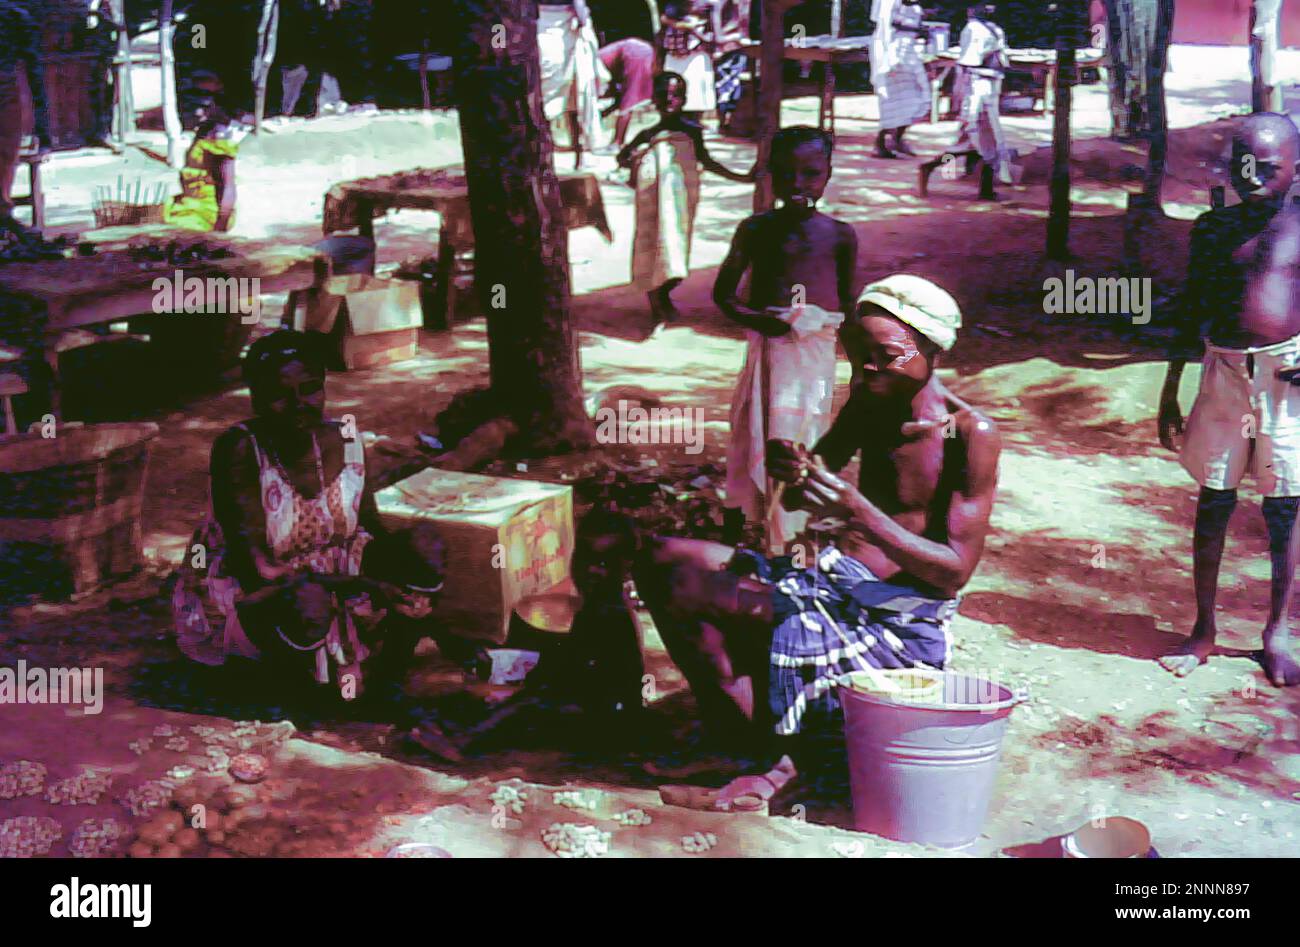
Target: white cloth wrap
{"points": [[801, 371]]}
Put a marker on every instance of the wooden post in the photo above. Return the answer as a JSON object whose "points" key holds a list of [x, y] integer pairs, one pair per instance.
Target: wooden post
{"points": [[653, 9], [1058, 219], [124, 113], [171, 113], [771, 57], [426, 100], [267, 35], [521, 236], [1265, 35]]}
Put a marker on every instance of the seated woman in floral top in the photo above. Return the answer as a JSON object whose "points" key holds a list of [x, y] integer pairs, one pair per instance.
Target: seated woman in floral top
{"points": [[292, 565]]}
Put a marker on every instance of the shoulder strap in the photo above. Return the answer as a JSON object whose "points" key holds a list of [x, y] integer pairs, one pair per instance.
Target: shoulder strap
{"points": [[257, 448]]}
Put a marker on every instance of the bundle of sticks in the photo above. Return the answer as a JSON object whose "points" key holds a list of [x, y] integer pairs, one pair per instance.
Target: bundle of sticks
{"points": [[130, 203]]}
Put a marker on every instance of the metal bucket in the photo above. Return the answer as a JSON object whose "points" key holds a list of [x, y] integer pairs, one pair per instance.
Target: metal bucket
{"points": [[924, 773]]}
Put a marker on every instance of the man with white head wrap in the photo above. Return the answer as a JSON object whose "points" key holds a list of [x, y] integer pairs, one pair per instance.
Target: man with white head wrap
{"points": [[908, 537]]}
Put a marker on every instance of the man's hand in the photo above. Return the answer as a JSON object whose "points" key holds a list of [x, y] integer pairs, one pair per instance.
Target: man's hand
{"points": [[788, 462], [1170, 422], [827, 496]]}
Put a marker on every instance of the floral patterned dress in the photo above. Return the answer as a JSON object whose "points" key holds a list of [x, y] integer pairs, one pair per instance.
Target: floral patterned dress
{"points": [[319, 535]]}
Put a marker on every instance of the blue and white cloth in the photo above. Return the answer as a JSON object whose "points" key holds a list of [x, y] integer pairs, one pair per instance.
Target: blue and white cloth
{"points": [[861, 620]]}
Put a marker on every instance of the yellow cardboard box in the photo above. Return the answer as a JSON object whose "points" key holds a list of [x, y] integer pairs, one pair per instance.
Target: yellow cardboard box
{"points": [[505, 540]]}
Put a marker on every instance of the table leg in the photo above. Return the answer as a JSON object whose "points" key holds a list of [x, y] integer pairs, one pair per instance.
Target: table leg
{"points": [[366, 224], [826, 119], [442, 303], [50, 355], [38, 194]]}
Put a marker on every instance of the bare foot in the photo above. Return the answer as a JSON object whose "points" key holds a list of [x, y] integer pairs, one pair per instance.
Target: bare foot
{"points": [[1188, 656], [1279, 663]]}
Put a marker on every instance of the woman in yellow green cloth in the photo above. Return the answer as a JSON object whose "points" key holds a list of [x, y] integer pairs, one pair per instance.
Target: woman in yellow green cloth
{"points": [[207, 198]]}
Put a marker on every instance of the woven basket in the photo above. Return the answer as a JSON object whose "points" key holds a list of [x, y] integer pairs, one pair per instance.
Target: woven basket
{"points": [[121, 214], [70, 508]]}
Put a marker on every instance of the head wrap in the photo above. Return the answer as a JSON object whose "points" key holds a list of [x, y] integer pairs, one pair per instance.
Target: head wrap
{"points": [[927, 308]]}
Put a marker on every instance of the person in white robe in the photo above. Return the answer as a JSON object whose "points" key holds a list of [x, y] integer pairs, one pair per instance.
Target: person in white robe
{"points": [[897, 73], [573, 76]]}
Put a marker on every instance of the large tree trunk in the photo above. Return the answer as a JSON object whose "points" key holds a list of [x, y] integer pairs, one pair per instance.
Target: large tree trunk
{"points": [[1131, 26], [171, 113], [1265, 35], [520, 234]]}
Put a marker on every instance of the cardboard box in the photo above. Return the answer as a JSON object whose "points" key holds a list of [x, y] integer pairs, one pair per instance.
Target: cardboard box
{"points": [[505, 540], [374, 321], [358, 352]]}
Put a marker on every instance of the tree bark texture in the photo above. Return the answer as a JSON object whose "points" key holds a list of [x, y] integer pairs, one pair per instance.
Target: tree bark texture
{"points": [[1131, 27], [520, 234]]}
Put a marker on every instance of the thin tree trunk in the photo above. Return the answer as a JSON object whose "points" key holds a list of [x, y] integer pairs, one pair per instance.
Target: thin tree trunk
{"points": [[1069, 23], [125, 112], [171, 114], [1157, 65], [771, 58], [1265, 35], [1144, 209], [267, 35], [520, 234]]}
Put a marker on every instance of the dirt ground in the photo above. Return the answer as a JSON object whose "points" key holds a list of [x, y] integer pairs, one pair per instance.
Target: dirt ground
{"points": [[1086, 579]]}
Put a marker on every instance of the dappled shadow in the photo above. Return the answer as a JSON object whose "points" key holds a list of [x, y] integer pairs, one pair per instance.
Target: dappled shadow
{"points": [[1069, 597], [1239, 741], [1101, 630]]}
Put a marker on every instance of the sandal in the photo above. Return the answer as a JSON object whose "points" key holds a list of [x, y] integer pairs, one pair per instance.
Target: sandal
{"points": [[705, 799]]}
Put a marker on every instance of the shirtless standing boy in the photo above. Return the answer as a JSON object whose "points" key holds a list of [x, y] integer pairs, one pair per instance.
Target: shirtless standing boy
{"points": [[759, 640], [1243, 285], [801, 265]]}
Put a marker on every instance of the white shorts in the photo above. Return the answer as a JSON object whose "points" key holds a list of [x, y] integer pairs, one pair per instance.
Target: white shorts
{"points": [[1245, 417]]}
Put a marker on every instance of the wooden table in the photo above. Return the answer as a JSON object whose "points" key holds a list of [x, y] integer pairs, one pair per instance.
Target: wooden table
{"points": [[42, 300], [830, 51], [444, 190]]}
